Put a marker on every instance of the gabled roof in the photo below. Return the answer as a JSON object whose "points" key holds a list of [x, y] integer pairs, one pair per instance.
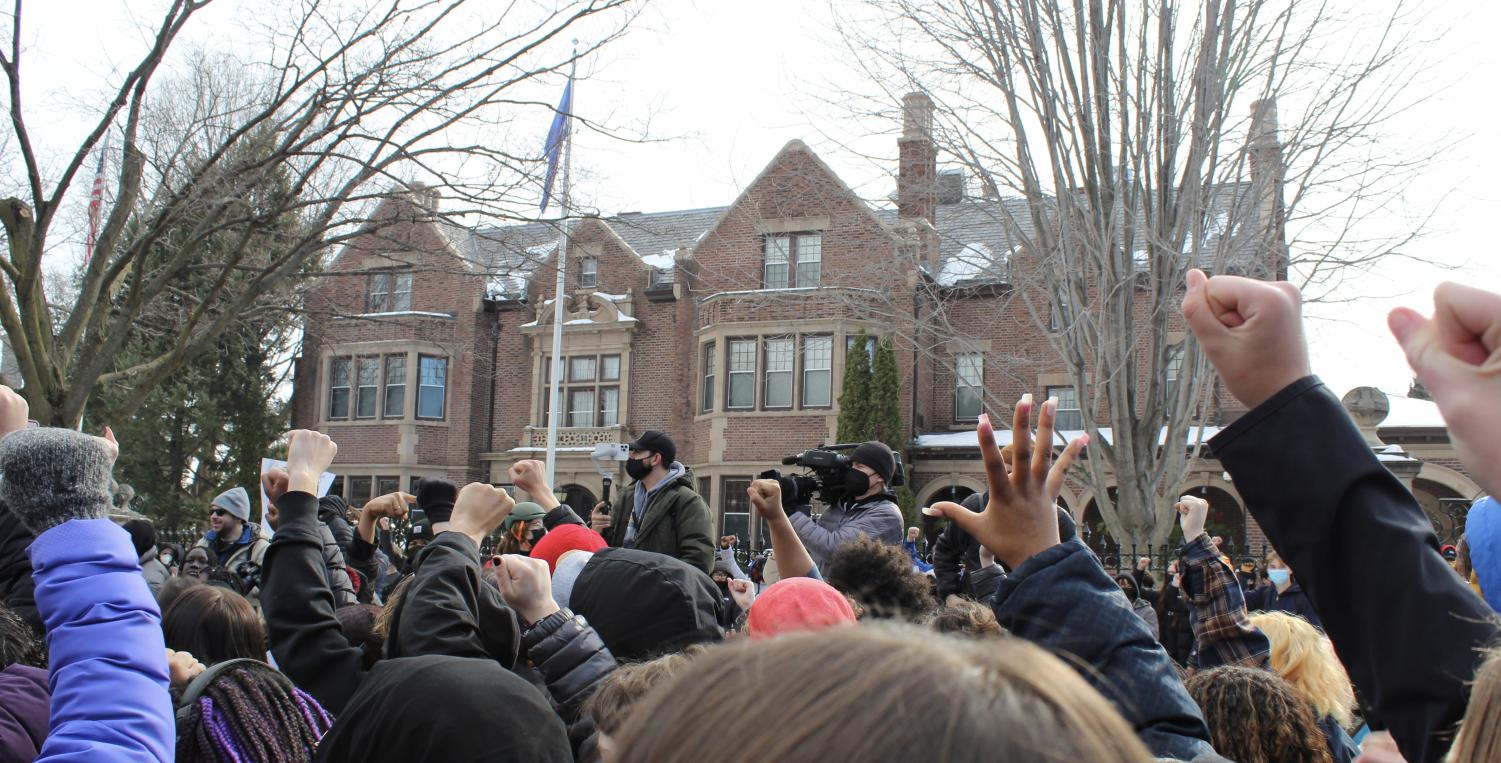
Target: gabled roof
{"points": [[975, 238]]}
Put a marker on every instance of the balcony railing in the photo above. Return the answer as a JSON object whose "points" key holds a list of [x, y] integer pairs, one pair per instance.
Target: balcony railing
{"points": [[576, 436]]}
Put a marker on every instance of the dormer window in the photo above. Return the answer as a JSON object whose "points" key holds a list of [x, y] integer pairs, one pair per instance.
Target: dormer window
{"points": [[588, 272], [793, 261], [390, 292]]}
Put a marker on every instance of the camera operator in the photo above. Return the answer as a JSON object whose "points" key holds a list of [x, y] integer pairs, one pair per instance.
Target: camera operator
{"points": [[660, 512], [867, 508]]}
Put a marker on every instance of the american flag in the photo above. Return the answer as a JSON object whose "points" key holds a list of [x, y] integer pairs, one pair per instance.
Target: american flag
{"points": [[96, 205]]}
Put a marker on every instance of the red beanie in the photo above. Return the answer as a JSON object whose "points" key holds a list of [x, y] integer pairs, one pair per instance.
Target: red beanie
{"points": [[564, 538], [798, 604]]}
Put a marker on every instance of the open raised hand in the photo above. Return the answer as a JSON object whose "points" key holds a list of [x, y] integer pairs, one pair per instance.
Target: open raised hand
{"points": [[1020, 519], [1252, 331], [480, 509], [1457, 357], [309, 454]]}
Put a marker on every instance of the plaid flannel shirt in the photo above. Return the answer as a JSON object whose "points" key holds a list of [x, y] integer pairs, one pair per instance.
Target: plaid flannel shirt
{"points": [[1223, 633]]}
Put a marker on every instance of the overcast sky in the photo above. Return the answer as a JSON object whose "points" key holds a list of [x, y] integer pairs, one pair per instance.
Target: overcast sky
{"points": [[726, 84]]}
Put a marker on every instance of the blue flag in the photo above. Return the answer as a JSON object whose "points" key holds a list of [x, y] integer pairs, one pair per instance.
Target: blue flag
{"points": [[557, 135]]}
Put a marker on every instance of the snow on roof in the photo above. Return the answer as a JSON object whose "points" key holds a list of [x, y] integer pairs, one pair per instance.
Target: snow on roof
{"points": [[1003, 437], [975, 262], [1411, 412], [662, 261]]}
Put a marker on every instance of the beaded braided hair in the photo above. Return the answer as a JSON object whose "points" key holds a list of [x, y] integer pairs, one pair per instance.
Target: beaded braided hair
{"points": [[251, 714]]}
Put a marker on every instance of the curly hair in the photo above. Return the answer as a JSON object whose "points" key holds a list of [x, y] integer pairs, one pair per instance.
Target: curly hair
{"points": [[612, 701], [1256, 717], [881, 580], [19, 644], [1306, 659], [251, 713], [966, 618]]}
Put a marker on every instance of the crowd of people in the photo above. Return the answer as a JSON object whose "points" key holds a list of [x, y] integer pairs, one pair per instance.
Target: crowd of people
{"points": [[539, 631]]}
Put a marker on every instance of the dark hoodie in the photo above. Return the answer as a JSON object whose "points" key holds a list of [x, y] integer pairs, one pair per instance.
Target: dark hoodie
{"points": [[453, 709], [645, 604], [333, 511]]}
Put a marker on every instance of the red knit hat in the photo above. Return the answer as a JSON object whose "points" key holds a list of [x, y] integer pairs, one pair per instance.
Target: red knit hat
{"points": [[564, 538], [798, 604]]}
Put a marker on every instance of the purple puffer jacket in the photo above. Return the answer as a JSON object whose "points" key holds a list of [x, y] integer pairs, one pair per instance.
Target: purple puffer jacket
{"points": [[23, 713]]}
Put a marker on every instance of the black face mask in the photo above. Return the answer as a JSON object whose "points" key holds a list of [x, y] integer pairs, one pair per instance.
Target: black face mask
{"points": [[637, 469], [536, 535], [856, 484]]}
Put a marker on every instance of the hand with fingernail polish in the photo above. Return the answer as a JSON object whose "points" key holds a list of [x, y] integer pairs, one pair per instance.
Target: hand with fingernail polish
{"points": [[1020, 520]]}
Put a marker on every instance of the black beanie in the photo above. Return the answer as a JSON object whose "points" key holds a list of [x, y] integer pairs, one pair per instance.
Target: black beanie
{"points": [[435, 496], [142, 534], [876, 456]]}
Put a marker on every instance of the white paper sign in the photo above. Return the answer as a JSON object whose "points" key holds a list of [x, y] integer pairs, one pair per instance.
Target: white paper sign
{"points": [[325, 481]]}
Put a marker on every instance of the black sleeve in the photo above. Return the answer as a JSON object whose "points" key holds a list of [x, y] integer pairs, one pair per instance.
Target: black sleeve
{"points": [[305, 638], [343, 532], [362, 558], [388, 546], [571, 657], [448, 609], [17, 590], [1365, 553]]}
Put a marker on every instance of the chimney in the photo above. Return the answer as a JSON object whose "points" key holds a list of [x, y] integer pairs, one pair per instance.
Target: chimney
{"points": [[951, 186], [917, 169], [1267, 177]]}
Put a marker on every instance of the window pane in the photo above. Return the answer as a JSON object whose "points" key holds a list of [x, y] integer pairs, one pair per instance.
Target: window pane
{"points": [[581, 408], [338, 388], [809, 258], [609, 406], [581, 369], [609, 368], [365, 397], [818, 352], [588, 272], [742, 383], [359, 491], [386, 485], [1070, 418], [707, 397], [402, 299], [337, 486], [380, 286], [734, 509], [396, 386], [778, 253], [779, 373], [432, 380], [969, 382]]}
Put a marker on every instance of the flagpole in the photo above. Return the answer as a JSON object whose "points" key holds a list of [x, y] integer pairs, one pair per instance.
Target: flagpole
{"points": [[555, 391]]}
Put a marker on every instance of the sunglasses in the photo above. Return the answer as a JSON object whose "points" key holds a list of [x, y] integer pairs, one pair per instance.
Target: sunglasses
{"points": [[218, 513]]}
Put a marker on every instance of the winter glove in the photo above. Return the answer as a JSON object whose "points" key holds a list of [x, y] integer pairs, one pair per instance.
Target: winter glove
{"points": [[49, 476]]}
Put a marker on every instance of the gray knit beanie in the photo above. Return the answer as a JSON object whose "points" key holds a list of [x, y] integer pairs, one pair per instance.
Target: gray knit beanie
{"points": [[49, 476]]}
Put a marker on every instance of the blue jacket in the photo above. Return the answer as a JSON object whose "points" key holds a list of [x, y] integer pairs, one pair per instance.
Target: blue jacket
{"points": [[1062, 600], [108, 666]]}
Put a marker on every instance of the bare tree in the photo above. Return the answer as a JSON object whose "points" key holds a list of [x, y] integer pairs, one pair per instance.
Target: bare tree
{"points": [[339, 101], [1142, 140]]}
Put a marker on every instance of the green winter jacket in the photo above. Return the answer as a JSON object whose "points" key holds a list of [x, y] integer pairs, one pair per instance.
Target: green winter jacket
{"points": [[676, 522]]}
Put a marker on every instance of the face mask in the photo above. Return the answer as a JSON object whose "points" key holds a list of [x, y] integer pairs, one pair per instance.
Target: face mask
{"points": [[1279, 578], [166, 559], [536, 535], [856, 483], [637, 469]]}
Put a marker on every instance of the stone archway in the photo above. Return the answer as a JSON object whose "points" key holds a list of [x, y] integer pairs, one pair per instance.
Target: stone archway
{"points": [[1445, 507], [578, 498], [954, 489]]}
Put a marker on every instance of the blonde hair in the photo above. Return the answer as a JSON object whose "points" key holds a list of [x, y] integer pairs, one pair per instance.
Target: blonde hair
{"points": [[878, 693], [1306, 659], [1480, 734]]}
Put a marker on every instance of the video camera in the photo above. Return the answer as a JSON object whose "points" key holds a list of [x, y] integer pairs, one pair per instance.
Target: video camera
{"points": [[828, 466]]}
